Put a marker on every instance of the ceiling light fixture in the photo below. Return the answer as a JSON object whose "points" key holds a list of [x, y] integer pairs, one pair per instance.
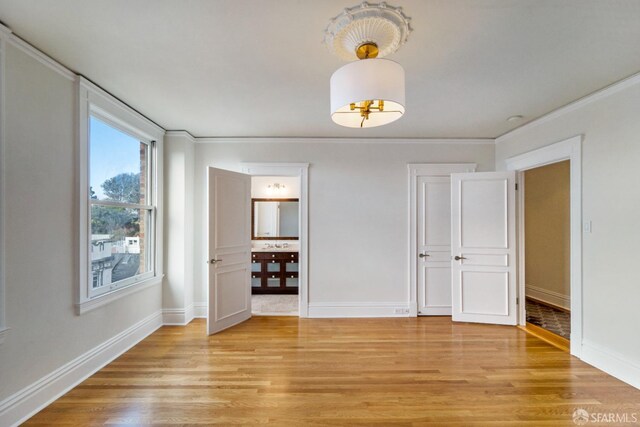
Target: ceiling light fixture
{"points": [[369, 92]]}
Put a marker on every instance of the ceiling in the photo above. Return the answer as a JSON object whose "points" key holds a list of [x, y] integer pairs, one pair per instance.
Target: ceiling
{"points": [[236, 68]]}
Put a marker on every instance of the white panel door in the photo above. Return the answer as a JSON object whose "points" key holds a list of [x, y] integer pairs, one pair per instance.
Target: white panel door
{"points": [[483, 246], [229, 242], [434, 245]]}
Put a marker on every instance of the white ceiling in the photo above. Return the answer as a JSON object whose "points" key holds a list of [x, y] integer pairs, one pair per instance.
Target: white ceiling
{"points": [[258, 68]]}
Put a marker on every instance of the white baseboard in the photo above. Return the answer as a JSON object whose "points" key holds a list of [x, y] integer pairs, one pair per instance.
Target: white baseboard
{"points": [[200, 310], [611, 362], [22, 405], [358, 309], [550, 297], [177, 316]]}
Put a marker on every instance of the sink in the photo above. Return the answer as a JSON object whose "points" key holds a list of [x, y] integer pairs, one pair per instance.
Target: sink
{"points": [[289, 249]]}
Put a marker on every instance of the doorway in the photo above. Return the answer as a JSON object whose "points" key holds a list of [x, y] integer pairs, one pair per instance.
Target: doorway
{"points": [[569, 150], [275, 245], [430, 237], [290, 255], [547, 249], [229, 244]]}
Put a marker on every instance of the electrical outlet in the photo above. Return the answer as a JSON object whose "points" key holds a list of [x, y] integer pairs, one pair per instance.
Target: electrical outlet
{"points": [[401, 311]]}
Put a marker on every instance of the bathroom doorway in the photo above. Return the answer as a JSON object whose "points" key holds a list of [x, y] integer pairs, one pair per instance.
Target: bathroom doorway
{"points": [[278, 232]]}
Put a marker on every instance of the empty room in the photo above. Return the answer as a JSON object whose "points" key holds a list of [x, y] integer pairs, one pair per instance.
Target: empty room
{"points": [[297, 212]]}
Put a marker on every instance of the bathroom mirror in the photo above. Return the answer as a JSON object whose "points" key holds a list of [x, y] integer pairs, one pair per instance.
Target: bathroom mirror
{"points": [[274, 219]]}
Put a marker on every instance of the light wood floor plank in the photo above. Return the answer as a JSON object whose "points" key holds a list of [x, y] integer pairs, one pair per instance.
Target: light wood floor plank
{"points": [[359, 372]]}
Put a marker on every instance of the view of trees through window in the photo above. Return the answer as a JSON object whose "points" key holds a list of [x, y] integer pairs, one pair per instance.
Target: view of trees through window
{"points": [[120, 214]]}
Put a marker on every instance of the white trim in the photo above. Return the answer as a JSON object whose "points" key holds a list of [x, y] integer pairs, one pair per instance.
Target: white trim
{"points": [[612, 363], [200, 310], [41, 57], [358, 309], [300, 170], [550, 297], [116, 294], [22, 405], [572, 106], [119, 112], [180, 133], [307, 140], [93, 100], [569, 149], [3, 213], [416, 170], [177, 316]]}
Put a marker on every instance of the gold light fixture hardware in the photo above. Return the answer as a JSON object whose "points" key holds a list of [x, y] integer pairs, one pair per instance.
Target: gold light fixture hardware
{"points": [[367, 50], [365, 108]]}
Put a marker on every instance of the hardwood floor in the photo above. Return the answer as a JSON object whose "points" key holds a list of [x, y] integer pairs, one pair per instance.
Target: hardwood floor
{"points": [[368, 372]]}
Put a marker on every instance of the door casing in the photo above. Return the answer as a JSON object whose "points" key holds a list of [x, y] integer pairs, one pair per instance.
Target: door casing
{"points": [[300, 170], [568, 149]]}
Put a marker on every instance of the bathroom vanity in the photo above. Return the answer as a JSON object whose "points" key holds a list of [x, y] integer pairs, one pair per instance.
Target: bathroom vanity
{"points": [[274, 272]]}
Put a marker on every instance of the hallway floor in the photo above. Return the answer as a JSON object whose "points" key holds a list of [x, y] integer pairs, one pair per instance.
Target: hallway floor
{"points": [[548, 317]]}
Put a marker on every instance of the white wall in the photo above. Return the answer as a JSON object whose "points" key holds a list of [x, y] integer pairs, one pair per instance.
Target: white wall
{"points": [[177, 295], [41, 233], [357, 210], [610, 182]]}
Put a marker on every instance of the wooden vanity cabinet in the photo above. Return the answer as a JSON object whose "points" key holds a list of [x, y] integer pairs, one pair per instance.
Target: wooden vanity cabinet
{"points": [[274, 273]]}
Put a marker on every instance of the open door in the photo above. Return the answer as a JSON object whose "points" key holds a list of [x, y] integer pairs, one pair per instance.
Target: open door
{"points": [[483, 245], [229, 237]]}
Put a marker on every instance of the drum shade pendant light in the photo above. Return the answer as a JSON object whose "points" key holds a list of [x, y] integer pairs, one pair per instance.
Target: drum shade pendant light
{"points": [[370, 91]]}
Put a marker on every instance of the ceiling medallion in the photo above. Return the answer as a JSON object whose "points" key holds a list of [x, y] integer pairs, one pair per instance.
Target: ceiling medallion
{"points": [[387, 26], [369, 92]]}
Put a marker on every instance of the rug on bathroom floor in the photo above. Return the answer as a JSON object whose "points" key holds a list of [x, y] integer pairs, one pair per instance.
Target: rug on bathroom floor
{"points": [[274, 305]]}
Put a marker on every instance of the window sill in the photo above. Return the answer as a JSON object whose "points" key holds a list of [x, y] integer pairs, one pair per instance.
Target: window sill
{"points": [[116, 294], [3, 333]]}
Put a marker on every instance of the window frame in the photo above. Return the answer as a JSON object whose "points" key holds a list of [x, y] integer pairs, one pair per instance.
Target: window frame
{"points": [[95, 102]]}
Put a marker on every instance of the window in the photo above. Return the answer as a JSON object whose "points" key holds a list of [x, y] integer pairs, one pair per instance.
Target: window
{"points": [[119, 185], [121, 207]]}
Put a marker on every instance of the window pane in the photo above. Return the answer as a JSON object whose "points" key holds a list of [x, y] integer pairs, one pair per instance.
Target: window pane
{"points": [[119, 244], [118, 165]]}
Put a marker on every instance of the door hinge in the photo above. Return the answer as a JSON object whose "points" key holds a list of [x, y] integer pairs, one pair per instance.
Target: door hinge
{"points": [[517, 301], [516, 186]]}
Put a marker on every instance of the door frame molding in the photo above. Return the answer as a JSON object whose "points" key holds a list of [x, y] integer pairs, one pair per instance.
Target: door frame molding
{"points": [[300, 170], [568, 149], [416, 170]]}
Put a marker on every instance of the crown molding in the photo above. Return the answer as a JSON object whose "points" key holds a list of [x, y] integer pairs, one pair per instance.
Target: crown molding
{"points": [[83, 82], [180, 133], [7, 34], [606, 91], [4, 30], [294, 140]]}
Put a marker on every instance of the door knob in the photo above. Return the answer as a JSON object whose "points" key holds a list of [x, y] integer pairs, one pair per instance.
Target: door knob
{"points": [[423, 255], [458, 258]]}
